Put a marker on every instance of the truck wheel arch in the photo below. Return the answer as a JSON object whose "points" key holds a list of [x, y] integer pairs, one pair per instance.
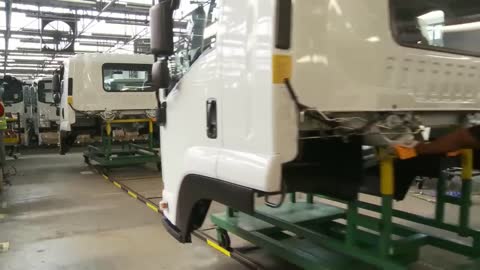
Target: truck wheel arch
{"points": [[194, 199]]}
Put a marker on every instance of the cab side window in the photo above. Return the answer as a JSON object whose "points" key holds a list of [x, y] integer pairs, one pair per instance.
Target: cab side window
{"points": [[451, 26]]}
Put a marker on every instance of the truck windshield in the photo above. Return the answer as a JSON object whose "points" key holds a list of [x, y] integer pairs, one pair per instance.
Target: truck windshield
{"points": [[13, 90], [444, 25], [45, 92], [127, 77]]}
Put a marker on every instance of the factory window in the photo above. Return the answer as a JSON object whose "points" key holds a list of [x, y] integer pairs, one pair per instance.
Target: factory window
{"points": [[127, 77], [443, 25], [45, 92]]}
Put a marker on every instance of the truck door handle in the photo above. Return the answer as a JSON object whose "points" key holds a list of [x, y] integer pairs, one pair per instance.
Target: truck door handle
{"points": [[212, 118]]}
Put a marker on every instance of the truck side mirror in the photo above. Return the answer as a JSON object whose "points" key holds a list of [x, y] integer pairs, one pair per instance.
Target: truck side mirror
{"points": [[160, 75], [161, 28], [56, 98], [56, 83]]}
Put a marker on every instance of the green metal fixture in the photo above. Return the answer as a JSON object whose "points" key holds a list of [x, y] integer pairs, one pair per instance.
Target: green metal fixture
{"points": [[129, 154], [316, 235]]}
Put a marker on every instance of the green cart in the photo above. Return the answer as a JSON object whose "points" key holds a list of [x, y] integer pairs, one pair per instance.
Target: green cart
{"points": [[316, 235], [129, 153]]}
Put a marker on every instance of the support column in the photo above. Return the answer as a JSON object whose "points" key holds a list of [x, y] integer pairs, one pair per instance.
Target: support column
{"points": [[2, 159], [108, 146], [440, 205], [466, 200], [8, 18], [150, 134], [387, 185]]}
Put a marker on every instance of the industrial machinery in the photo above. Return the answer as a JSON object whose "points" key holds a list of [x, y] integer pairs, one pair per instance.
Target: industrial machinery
{"points": [[45, 113], [107, 96], [266, 106]]}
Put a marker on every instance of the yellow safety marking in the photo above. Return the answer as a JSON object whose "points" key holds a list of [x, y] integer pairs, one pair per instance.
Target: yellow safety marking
{"points": [[281, 68], [70, 100], [153, 207], [387, 179], [11, 140], [109, 128], [138, 120], [467, 165], [219, 248], [105, 177], [117, 184], [150, 127], [132, 194]]}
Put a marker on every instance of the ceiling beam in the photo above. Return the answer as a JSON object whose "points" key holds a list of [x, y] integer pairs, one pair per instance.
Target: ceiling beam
{"points": [[36, 33], [31, 72], [65, 16], [30, 61], [37, 52], [128, 8], [111, 3]]}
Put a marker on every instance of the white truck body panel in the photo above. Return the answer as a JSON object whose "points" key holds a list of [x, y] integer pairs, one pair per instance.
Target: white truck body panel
{"points": [[345, 59], [88, 94], [237, 73], [353, 64], [46, 111]]}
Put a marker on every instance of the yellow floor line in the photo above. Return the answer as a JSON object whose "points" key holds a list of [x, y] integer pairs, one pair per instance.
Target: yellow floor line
{"points": [[219, 248]]}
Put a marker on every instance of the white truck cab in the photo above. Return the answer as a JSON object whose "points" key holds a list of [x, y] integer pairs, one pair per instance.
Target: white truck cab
{"points": [[96, 87], [284, 91], [45, 114]]}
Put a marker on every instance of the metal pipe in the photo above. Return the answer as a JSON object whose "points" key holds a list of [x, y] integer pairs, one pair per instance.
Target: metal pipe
{"points": [[96, 17], [8, 16]]}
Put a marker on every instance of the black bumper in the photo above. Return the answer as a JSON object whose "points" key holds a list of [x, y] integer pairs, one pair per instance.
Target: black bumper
{"points": [[181, 237]]}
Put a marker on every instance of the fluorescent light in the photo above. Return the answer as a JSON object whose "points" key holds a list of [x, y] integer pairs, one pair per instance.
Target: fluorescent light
{"points": [[461, 27], [373, 39]]}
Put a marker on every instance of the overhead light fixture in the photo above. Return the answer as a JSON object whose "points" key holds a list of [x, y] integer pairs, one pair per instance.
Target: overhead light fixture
{"points": [[79, 2], [473, 26]]}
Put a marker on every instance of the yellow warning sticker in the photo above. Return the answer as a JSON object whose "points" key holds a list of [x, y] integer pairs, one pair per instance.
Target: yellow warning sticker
{"points": [[117, 184], [281, 68], [219, 248]]}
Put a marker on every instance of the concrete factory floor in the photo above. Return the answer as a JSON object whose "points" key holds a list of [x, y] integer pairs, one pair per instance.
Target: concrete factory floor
{"points": [[58, 214]]}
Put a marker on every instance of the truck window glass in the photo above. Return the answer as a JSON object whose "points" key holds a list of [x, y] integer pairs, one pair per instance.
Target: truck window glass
{"points": [[13, 91], [197, 36], [127, 77], [45, 92], [443, 25]]}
